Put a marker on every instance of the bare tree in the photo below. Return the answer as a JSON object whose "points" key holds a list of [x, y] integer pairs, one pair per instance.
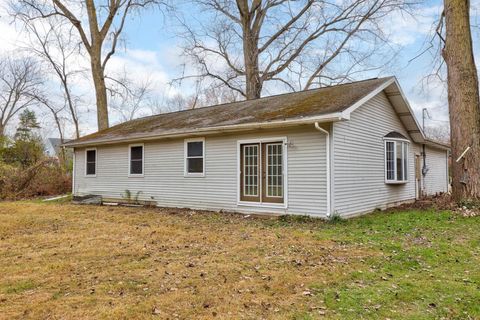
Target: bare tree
{"points": [[20, 80], [56, 113], [212, 96], [201, 97], [106, 21], [439, 133], [463, 99], [54, 42], [128, 98], [245, 44]]}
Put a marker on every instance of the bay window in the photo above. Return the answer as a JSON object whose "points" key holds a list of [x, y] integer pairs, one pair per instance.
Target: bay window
{"points": [[396, 160]]}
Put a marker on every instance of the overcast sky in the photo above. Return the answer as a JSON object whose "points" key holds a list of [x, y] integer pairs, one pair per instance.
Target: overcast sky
{"points": [[152, 51]]}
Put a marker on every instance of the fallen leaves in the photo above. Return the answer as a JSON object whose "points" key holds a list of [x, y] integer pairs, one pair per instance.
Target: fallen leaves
{"points": [[183, 264]]}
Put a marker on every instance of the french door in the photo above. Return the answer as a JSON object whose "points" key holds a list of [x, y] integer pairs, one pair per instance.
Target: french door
{"points": [[262, 172]]}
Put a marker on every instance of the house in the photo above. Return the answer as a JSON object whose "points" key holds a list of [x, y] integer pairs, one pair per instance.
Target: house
{"points": [[54, 148], [345, 149]]}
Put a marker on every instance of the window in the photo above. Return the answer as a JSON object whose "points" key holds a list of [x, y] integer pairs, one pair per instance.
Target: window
{"points": [[91, 162], [136, 160], [396, 160], [195, 157]]}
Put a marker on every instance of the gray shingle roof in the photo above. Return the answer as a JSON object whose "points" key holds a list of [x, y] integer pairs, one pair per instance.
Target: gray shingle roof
{"points": [[284, 107]]}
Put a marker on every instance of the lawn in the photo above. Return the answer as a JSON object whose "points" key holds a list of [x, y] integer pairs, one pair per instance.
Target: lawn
{"points": [[61, 261]]}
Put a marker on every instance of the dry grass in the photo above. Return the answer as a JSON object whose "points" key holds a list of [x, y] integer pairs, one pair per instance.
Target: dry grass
{"points": [[65, 261], [61, 261]]}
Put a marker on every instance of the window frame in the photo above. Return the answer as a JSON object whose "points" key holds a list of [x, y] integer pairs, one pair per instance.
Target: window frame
{"points": [[187, 174], [86, 163], [405, 164], [136, 175]]}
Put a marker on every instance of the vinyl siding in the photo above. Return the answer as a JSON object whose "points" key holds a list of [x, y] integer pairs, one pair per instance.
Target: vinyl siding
{"points": [[436, 180], [359, 170], [164, 180]]}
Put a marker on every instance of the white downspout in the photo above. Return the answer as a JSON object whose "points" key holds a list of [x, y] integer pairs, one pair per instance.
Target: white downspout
{"points": [[327, 146], [73, 172]]}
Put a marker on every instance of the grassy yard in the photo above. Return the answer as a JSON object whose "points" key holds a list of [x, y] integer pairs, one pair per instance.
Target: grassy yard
{"points": [[60, 261]]}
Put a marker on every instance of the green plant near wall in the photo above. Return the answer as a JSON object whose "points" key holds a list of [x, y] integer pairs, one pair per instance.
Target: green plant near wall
{"points": [[335, 217], [128, 196]]}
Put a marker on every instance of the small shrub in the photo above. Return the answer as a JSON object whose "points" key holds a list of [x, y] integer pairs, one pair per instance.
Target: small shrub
{"points": [[335, 217], [127, 195]]}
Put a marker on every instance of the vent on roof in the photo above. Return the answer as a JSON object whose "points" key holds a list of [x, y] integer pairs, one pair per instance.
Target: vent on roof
{"points": [[395, 135]]}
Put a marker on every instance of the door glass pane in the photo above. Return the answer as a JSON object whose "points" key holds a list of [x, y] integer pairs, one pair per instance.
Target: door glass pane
{"points": [[274, 170], [250, 170]]}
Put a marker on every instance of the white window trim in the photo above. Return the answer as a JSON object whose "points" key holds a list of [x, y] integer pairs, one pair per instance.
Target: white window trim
{"points": [[96, 163], [261, 204], [187, 174], [136, 175], [395, 141]]}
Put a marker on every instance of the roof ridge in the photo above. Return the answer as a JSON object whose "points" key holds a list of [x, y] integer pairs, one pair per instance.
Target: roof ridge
{"points": [[271, 108], [256, 99]]}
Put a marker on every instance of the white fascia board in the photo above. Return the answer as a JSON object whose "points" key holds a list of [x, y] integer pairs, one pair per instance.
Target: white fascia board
{"points": [[331, 117], [379, 89], [404, 98], [436, 145], [369, 96]]}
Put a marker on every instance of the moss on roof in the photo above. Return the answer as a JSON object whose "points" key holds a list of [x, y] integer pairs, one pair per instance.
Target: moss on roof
{"points": [[288, 106]]}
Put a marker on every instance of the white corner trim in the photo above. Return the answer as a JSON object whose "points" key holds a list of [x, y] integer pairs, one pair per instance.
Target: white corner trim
{"points": [[96, 163], [136, 175], [187, 174], [74, 172]]}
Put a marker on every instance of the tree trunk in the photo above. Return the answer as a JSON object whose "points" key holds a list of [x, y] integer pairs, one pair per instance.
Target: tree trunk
{"points": [[100, 89], [250, 53], [463, 100], [75, 121], [252, 76]]}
